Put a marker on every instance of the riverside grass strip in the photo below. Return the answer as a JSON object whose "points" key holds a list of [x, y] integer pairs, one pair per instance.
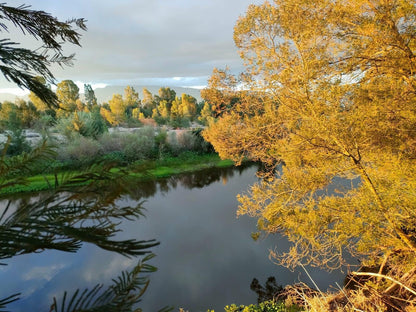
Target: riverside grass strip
{"points": [[141, 172]]}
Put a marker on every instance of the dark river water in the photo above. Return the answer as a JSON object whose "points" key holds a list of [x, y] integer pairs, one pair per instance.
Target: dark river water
{"points": [[206, 258]]}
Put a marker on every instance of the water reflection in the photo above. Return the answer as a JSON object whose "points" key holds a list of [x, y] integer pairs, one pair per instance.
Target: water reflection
{"points": [[198, 179], [63, 221], [206, 258]]}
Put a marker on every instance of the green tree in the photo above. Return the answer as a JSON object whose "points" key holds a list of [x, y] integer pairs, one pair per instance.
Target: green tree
{"points": [[6, 109], [155, 114], [175, 112], [89, 96], [28, 113], [166, 94], [68, 94], [131, 99], [188, 106], [17, 143], [206, 114], [87, 124], [335, 101], [148, 102], [163, 109]]}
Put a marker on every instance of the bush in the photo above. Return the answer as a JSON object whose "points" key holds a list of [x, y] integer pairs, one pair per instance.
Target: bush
{"points": [[136, 145], [64, 126], [140, 144], [83, 123], [186, 140], [267, 306], [81, 149], [180, 141], [112, 142]]}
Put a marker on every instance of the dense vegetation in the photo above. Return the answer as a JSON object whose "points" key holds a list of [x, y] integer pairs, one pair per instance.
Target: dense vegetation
{"points": [[83, 115], [328, 94], [329, 91], [83, 133]]}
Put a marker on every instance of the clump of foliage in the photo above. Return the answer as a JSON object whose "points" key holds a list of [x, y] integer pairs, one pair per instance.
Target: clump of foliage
{"points": [[329, 91], [86, 124], [266, 306]]}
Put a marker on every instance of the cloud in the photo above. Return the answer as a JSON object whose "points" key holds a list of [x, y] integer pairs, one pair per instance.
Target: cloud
{"points": [[15, 91], [94, 86], [43, 272], [130, 40]]}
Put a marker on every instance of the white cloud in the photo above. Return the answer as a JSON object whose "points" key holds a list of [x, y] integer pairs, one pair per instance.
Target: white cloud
{"points": [[15, 91], [99, 85], [195, 87], [43, 272], [136, 42]]}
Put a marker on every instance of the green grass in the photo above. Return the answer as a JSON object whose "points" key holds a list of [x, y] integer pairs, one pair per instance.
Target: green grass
{"points": [[140, 171]]}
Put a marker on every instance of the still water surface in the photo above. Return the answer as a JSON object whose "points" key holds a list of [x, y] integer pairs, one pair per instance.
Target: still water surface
{"points": [[206, 257]]}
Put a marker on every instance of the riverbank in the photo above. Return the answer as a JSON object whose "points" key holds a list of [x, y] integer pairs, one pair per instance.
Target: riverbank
{"points": [[139, 171]]}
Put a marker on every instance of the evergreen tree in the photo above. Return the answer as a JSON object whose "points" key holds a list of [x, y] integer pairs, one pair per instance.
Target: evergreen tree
{"points": [[89, 96]]}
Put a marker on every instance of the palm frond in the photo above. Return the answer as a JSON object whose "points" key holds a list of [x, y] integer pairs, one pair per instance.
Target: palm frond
{"points": [[123, 295], [15, 170], [5, 301], [20, 65], [63, 221], [42, 25]]}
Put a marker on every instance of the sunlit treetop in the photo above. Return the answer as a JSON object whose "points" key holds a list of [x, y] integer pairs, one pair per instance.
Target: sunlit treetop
{"points": [[330, 93]]}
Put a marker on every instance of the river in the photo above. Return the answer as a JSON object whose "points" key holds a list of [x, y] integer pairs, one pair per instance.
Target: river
{"points": [[206, 258]]}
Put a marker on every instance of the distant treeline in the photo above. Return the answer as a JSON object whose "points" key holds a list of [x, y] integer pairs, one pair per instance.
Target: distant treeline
{"points": [[128, 109]]}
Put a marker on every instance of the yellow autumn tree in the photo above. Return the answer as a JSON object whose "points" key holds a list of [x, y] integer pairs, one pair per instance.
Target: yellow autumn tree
{"points": [[118, 109], [328, 101], [68, 93]]}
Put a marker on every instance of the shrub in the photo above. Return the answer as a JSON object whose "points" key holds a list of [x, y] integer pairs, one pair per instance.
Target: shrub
{"points": [[83, 123], [184, 140], [172, 143], [80, 148], [140, 144], [267, 306], [136, 145], [64, 126], [112, 142]]}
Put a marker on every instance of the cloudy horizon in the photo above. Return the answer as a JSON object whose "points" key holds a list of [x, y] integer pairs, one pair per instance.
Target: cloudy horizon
{"points": [[175, 43]]}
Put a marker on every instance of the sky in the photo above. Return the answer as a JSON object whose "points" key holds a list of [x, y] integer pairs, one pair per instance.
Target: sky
{"points": [[145, 42]]}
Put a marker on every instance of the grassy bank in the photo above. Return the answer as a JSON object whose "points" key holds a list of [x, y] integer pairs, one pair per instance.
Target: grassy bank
{"points": [[140, 171]]}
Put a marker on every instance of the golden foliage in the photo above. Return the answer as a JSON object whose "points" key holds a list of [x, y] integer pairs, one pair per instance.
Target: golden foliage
{"points": [[329, 91]]}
